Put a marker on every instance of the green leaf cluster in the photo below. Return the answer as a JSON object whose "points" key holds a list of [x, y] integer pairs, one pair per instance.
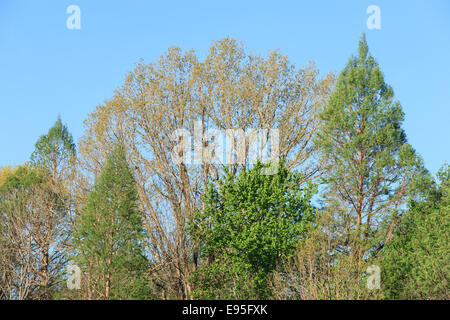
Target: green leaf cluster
{"points": [[248, 225]]}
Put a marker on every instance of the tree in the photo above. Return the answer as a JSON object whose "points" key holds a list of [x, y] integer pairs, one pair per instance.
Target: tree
{"points": [[33, 234], [108, 240], [229, 89], [5, 173], [249, 224], [369, 163], [37, 211], [320, 268], [415, 264], [55, 151]]}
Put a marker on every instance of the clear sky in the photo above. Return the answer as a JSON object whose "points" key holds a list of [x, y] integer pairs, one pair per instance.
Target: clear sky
{"points": [[47, 69]]}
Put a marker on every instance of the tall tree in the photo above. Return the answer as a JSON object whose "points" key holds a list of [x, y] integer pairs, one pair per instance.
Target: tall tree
{"points": [[369, 162], [55, 152], [108, 240], [230, 89], [41, 207]]}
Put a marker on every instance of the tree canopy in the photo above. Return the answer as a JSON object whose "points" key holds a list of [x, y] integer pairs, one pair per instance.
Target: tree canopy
{"points": [[170, 193]]}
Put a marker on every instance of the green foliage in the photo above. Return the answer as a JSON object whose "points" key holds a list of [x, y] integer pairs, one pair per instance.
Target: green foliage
{"points": [[109, 237], [21, 178], [362, 107], [248, 225], [369, 164], [416, 263], [247, 235], [55, 150]]}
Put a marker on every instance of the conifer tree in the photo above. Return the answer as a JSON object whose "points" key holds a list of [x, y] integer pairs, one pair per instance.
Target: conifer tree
{"points": [[109, 236], [55, 151], [415, 264], [364, 148]]}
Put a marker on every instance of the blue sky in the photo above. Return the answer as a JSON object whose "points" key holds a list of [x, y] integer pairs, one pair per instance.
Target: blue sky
{"points": [[47, 69]]}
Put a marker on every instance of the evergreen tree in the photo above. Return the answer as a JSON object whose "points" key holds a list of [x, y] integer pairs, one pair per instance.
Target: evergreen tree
{"points": [[415, 265], [55, 151], [109, 236], [369, 162]]}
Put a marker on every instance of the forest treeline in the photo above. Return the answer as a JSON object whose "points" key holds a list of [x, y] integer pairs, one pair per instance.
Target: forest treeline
{"points": [[350, 212]]}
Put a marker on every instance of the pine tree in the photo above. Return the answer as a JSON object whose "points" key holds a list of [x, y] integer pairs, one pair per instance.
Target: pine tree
{"points": [[109, 236], [369, 162]]}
